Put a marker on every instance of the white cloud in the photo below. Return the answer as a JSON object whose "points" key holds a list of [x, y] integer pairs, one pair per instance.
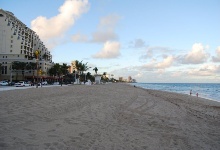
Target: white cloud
{"points": [[52, 28], [196, 56], [103, 36], [205, 70], [110, 50], [166, 63], [106, 29], [150, 66], [155, 50], [159, 66], [79, 38], [139, 75], [177, 74], [217, 58]]}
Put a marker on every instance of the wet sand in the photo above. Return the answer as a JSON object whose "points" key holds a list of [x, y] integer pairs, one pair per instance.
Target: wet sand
{"points": [[106, 117]]}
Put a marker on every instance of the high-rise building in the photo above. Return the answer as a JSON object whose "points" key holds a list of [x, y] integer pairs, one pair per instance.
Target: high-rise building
{"points": [[129, 79], [73, 66], [120, 79], [19, 43]]}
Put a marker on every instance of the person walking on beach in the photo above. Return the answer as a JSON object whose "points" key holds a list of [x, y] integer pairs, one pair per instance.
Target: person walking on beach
{"points": [[197, 94], [190, 92]]}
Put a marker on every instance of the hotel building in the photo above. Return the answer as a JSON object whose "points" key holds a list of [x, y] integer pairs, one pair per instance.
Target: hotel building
{"points": [[19, 43]]}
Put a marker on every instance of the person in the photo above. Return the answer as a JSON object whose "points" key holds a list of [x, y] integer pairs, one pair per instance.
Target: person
{"points": [[197, 94], [190, 92]]}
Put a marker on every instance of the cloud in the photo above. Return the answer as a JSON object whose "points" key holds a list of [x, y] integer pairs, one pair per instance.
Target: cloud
{"points": [[155, 65], [103, 36], [154, 50], [52, 28], [137, 43], [79, 38], [166, 63], [106, 29], [205, 70], [139, 75], [196, 56], [217, 59], [110, 50]]}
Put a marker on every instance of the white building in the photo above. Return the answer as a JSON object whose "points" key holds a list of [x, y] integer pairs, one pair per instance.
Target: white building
{"points": [[19, 43]]}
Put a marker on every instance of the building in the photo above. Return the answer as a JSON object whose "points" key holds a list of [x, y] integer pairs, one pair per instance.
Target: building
{"points": [[129, 79], [19, 43], [73, 66]]}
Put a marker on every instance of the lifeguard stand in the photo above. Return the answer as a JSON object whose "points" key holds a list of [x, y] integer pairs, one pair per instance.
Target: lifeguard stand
{"points": [[97, 78]]}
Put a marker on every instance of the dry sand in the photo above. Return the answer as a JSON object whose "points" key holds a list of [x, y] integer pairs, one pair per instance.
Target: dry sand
{"points": [[106, 117]]}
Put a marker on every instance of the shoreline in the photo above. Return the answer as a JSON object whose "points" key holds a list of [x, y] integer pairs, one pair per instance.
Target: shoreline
{"points": [[110, 116], [200, 96], [203, 99]]}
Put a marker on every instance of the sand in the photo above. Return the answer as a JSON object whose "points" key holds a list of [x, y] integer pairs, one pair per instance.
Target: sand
{"points": [[106, 117]]}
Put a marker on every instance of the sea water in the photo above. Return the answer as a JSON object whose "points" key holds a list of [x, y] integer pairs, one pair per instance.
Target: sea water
{"points": [[206, 90]]}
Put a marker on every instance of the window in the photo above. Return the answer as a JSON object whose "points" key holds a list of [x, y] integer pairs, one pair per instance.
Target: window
{"points": [[21, 51], [21, 46], [10, 50], [4, 69], [11, 46], [18, 55], [12, 36], [3, 56], [1, 15], [11, 41]]}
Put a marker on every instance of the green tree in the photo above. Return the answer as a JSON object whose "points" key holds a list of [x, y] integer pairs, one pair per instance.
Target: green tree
{"points": [[23, 68], [64, 69], [31, 66], [104, 78], [90, 77], [55, 70], [81, 67], [19, 66]]}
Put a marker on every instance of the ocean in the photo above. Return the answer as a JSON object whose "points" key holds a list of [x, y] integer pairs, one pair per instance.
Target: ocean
{"points": [[205, 90]]}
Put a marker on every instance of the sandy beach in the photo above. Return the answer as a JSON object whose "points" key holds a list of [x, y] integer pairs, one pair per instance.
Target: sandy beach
{"points": [[106, 117]]}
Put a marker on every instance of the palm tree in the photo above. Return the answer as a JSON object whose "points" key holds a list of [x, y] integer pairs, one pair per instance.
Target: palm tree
{"points": [[96, 69], [104, 76], [64, 69], [80, 67], [31, 66], [15, 66], [90, 77], [55, 70], [22, 67]]}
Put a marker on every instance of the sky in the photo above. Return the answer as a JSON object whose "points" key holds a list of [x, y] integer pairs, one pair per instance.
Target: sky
{"points": [[162, 41]]}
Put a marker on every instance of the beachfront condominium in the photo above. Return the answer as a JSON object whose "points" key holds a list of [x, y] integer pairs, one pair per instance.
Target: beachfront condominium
{"points": [[18, 43]]}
